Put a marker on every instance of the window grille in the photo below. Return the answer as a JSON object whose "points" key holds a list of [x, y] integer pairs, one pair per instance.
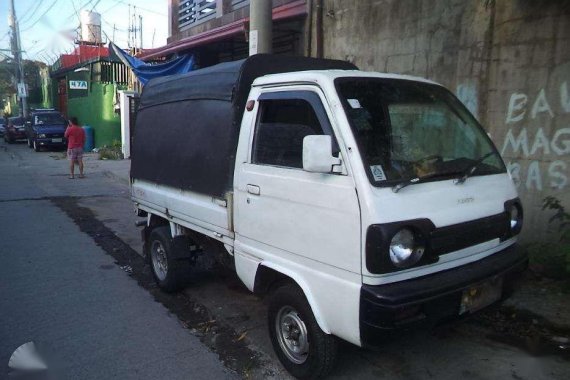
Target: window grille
{"points": [[236, 4], [194, 12]]}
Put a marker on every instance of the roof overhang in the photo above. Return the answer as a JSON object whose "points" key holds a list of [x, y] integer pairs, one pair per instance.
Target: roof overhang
{"points": [[293, 9]]}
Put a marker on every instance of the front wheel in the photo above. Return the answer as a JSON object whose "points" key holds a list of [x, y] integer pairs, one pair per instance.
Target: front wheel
{"points": [[305, 350], [168, 272]]}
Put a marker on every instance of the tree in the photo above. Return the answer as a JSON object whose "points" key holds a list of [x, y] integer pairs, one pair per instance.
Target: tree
{"points": [[31, 75]]}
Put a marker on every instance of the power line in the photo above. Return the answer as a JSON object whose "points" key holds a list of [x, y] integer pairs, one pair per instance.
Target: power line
{"points": [[28, 17], [111, 7], [144, 9], [42, 16], [94, 5], [5, 35], [114, 27], [76, 10]]}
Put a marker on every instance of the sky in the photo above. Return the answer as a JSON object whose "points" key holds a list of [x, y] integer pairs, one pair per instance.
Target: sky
{"points": [[47, 26]]}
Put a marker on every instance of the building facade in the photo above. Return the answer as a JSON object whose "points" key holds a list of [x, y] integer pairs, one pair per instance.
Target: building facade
{"points": [[217, 31], [86, 86]]}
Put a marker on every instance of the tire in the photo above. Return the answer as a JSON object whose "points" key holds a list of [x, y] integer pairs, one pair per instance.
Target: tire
{"points": [[289, 314], [169, 273], [36, 147]]}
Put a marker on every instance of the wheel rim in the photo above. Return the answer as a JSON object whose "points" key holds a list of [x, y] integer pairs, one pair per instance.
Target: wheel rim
{"points": [[159, 262], [292, 335]]}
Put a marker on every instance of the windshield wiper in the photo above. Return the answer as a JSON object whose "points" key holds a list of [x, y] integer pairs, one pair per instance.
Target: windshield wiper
{"points": [[412, 181], [471, 168]]}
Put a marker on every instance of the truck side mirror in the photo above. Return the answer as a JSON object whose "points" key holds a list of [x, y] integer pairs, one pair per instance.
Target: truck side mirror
{"points": [[317, 154]]}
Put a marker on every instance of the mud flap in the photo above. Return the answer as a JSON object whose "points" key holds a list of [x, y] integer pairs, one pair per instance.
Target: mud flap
{"points": [[185, 249]]}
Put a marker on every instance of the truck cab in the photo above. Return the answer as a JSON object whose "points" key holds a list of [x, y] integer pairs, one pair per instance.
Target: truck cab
{"points": [[359, 202]]}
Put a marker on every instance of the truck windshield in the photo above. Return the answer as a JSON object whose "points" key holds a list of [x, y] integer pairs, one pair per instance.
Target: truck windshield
{"points": [[414, 131]]}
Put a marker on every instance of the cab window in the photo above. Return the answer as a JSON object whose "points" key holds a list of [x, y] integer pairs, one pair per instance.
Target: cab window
{"points": [[282, 124]]}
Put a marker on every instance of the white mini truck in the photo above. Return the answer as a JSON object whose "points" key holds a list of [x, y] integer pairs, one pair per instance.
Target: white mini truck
{"points": [[358, 202]]}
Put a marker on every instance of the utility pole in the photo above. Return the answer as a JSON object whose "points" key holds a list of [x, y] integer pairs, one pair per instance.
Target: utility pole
{"points": [[260, 30], [140, 31], [134, 29], [17, 52]]}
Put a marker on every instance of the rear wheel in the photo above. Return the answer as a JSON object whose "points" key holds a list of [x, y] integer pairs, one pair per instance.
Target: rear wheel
{"points": [[305, 350], [169, 272]]}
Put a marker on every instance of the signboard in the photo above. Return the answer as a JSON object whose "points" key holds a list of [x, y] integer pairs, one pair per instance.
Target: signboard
{"points": [[78, 85], [22, 91], [253, 38]]}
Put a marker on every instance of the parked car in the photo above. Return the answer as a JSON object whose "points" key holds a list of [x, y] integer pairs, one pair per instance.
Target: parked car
{"points": [[46, 129], [15, 130], [358, 202]]}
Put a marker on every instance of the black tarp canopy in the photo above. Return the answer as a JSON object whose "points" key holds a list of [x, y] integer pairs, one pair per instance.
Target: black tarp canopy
{"points": [[188, 124]]}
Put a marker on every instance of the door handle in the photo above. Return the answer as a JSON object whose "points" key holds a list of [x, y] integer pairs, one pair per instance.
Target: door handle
{"points": [[253, 189]]}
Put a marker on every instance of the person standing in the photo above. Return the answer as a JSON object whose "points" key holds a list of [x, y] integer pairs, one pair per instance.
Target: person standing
{"points": [[75, 136]]}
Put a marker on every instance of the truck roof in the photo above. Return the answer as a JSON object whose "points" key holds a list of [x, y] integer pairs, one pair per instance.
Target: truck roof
{"points": [[229, 81], [320, 75]]}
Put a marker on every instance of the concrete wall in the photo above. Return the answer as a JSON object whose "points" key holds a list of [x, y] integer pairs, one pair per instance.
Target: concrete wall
{"points": [[507, 60]]}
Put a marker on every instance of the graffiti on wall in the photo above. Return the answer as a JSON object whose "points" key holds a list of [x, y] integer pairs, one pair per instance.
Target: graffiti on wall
{"points": [[536, 135]]}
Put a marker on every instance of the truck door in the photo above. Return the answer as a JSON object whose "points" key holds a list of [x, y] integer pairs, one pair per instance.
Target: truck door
{"points": [[283, 212]]}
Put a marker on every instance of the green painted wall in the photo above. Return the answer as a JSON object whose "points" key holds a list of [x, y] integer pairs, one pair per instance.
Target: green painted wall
{"points": [[96, 110]]}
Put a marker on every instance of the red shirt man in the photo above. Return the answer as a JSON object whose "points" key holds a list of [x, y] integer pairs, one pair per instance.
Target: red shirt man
{"points": [[75, 136]]}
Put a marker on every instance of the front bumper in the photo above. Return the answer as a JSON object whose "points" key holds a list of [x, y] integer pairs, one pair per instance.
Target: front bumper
{"points": [[432, 299], [16, 135], [51, 142]]}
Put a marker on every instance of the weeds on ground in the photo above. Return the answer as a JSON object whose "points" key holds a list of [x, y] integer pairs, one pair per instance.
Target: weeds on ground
{"points": [[552, 259], [111, 152]]}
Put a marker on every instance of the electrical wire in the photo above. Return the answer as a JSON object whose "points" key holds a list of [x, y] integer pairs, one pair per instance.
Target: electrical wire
{"points": [[41, 17], [31, 15], [111, 7], [76, 10], [144, 9], [94, 5]]}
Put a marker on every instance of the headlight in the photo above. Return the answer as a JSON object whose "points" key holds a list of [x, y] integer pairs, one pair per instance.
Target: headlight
{"points": [[515, 217], [405, 249], [41, 136]]}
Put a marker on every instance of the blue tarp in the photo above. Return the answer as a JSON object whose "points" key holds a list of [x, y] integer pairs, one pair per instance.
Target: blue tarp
{"points": [[146, 71]]}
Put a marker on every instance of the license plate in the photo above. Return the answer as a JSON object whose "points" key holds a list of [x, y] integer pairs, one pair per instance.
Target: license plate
{"points": [[56, 140], [479, 296]]}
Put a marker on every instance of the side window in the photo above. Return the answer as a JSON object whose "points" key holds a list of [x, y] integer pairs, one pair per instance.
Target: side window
{"points": [[282, 125]]}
